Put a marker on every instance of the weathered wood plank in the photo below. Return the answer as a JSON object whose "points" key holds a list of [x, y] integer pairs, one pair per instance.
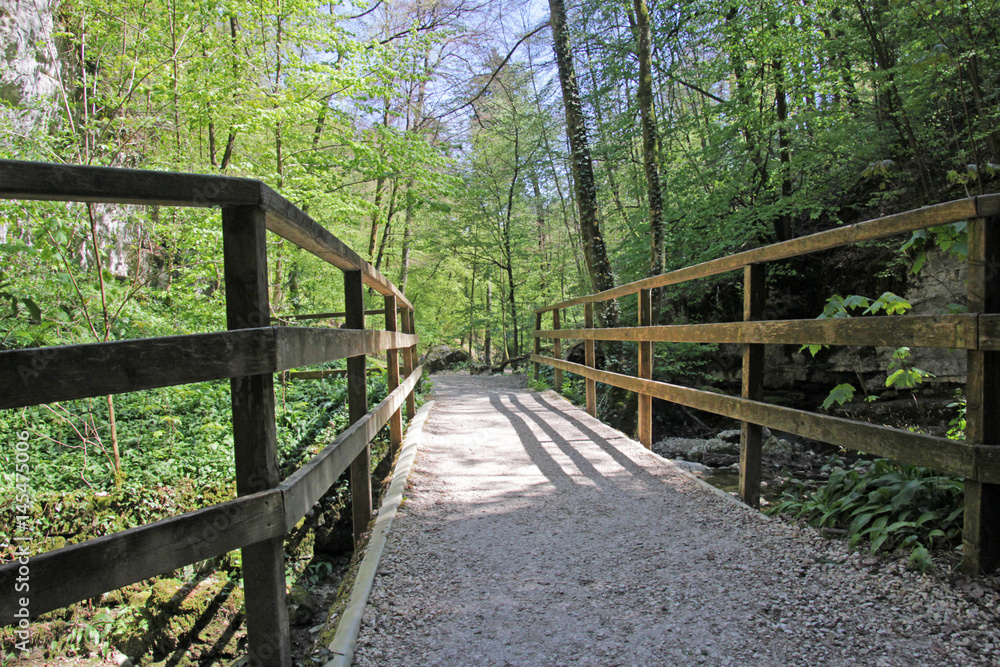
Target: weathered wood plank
{"points": [[645, 370], [85, 570], [988, 206], [751, 435], [951, 456], [58, 182], [981, 532], [244, 249], [588, 354], [392, 378], [988, 330], [69, 182], [304, 346], [66, 372], [929, 216], [290, 222], [557, 378], [357, 400], [321, 316], [946, 331], [308, 484], [326, 373], [538, 343], [409, 358]]}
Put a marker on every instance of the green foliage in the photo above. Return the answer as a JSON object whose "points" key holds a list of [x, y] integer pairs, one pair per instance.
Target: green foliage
{"points": [[956, 426], [684, 363], [886, 504], [537, 385], [952, 239], [902, 374], [842, 393]]}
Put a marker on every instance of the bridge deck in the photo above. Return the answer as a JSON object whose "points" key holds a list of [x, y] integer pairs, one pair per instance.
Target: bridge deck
{"points": [[532, 534]]}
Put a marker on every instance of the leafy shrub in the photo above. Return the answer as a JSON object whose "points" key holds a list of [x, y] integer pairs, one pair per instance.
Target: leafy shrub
{"points": [[887, 504]]}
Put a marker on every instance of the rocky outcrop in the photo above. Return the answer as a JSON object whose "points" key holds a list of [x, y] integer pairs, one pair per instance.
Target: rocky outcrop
{"points": [[29, 68], [443, 357]]}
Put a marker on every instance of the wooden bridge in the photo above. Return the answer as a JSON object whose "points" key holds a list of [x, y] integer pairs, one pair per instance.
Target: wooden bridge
{"points": [[251, 351]]}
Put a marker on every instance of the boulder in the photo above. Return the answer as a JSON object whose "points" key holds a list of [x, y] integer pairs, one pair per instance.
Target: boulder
{"points": [[443, 357]]}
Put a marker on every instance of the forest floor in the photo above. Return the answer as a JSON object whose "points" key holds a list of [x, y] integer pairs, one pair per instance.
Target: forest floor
{"points": [[531, 533]]}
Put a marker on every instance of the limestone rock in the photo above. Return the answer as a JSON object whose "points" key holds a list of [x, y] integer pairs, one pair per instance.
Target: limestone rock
{"points": [[443, 357]]}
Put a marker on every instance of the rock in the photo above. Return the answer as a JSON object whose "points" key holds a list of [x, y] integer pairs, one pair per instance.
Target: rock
{"points": [[675, 448], [443, 357], [715, 452], [732, 436], [576, 353], [479, 369], [691, 466], [301, 605], [777, 449]]}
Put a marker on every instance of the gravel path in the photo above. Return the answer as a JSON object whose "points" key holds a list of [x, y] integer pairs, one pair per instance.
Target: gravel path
{"points": [[532, 534]]}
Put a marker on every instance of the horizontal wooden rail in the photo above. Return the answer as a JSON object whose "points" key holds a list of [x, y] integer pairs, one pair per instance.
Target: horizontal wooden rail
{"points": [[305, 346], [950, 456], [85, 570], [327, 373], [322, 316], [54, 182], [871, 230], [80, 571], [97, 369], [308, 484], [969, 331]]}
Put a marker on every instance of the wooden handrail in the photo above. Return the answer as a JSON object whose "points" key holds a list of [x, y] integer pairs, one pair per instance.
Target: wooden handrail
{"points": [[115, 185], [33, 376], [977, 332], [248, 353], [870, 230], [967, 331]]}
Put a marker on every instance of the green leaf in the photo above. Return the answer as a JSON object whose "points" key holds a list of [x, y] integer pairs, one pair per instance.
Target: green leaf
{"points": [[36, 312], [840, 394]]}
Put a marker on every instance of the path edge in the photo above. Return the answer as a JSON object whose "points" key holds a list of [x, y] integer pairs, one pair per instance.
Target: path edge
{"points": [[344, 640]]}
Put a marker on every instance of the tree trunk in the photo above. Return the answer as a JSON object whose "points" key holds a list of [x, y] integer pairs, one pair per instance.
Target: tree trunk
{"points": [[618, 411], [487, 335], [783, 224], [650, 146], [594, 250], [404, 261]]}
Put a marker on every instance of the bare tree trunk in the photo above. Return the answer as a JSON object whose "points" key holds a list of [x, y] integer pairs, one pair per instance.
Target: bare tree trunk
{"points": [[783, 225], [487, 334], [594, 250], [404, 262], [650, 147]]}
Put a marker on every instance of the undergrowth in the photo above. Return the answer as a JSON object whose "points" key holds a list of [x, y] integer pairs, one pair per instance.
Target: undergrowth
{"points": [[885, 504]]}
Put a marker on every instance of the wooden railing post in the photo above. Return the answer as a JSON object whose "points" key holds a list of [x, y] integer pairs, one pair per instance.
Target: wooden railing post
{"points": [[645, 370], [589, 359], [357, 398], [751, 435], [392, 377], [254, 441], [557, 379], [981, 533], [538, 343], [409, 360]]}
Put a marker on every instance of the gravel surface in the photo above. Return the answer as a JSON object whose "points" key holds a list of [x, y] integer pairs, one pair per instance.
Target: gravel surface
{"points": [[532, 534]]}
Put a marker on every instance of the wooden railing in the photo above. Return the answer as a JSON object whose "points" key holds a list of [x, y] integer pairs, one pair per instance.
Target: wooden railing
{"points": [[977, 459], [249, 353]]}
